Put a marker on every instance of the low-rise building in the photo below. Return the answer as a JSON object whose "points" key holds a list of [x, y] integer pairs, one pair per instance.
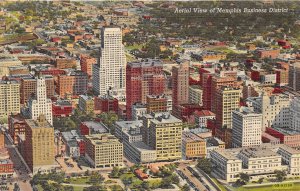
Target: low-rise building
{"points": [[72, 141], [138, 110], [86, 104], [192, 146], [92, 127], [202, 116], [195, 95], [62, 108], [103, 150], [258, 162]]}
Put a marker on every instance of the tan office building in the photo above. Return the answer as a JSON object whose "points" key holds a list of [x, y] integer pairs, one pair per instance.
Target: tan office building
{"points": [[103, 150], [9, 98]]}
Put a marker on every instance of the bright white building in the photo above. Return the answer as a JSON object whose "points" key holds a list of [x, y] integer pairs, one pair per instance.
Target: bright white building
{"points": [[275, 109], [246, 127], [258, 162], [110, 71], [40, 104]]}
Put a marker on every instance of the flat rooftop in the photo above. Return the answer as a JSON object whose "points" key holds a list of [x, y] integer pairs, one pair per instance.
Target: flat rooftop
{"points": [[146, 63], [142, 146], [96, 126]]}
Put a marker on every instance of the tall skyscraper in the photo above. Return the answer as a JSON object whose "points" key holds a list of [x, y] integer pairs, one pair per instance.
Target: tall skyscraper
{"points": [[180, 81], [246, 127], [38, 147], [294, 76], [227, 100], [110, 71], [9, 98], [40, 104], [142, 79]]}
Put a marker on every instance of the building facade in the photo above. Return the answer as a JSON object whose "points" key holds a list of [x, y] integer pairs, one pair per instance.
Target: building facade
{"points": [[110, 71], [9, 98], [40, 105]]}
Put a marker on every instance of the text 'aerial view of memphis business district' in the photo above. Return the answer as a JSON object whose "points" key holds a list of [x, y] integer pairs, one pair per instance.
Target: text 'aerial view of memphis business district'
{"points": [[149, 95]]}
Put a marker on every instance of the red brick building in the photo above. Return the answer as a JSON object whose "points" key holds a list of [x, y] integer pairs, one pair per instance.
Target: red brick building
{"points": [[62, 108], [64, 63], [287, 136], [142, 79], [16, 125], [205, 83], [28, 87], [86, 64], [74, 83], [106, 104], [268, 53]]}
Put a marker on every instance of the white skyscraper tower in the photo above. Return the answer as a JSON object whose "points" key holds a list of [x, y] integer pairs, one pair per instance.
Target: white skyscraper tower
{"points": [[110, 71], [40, 104]]}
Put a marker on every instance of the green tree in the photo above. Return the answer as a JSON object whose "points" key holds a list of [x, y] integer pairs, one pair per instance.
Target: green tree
{"points": [[260, 180], [115, 173], [175, 179], [244, 177], [95, 188], [145, 185], [280, 175], [205, 165], [185, 188], [96, 178]]}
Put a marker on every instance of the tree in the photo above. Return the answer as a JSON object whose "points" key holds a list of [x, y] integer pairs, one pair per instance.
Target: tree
{"points": [[260, 180], [95, 188], [115, 172], [280, 175], [145, 185], [244, 177], [166, 182], [205, 165], [175, 179], [96, 178], [68, 188], [185, 188]]}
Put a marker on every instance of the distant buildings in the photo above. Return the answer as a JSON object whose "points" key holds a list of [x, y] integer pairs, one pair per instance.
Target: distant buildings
{"points": [[40, 105], [103, 150], [257, 162], [275, 109], [110, 71], [9, 98], [74, 83], [86, 64], [29, 84], [246, 127], [142, 79], [7, 61]]}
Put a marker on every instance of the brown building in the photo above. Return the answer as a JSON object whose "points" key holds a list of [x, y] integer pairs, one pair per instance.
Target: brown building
{"points": [[16, 126], [28, 87], [180, 80], [2, 144], [64, 63], [268, 53], [157, 103], [39, 149], [74, 83], [86, 64], [193, 146]]}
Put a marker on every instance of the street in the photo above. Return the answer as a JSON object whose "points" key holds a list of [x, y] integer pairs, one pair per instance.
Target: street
{"points": [[21, 172]]}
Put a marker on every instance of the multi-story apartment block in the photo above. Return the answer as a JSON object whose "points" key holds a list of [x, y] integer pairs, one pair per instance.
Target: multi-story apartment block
{"points": [[195, 95], [7, 61], [157, 103], [103, 150], [142, 79], [29, 84], [106, 103], [134, 147], [40, 104], [86, 104], [9, 98], [164, 135], [275, 109], [246, 127], [74, 83], [227, 100], [258, 162], [110, 71], [86, 64], [193, 146], [39, 149]]}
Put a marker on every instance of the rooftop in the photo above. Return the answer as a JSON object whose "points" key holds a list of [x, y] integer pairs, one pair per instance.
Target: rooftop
{"points": [[258, 152], [99, 139], [142, 146], [146, 63], [97, 127], [204, 113], [191, 137]]}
